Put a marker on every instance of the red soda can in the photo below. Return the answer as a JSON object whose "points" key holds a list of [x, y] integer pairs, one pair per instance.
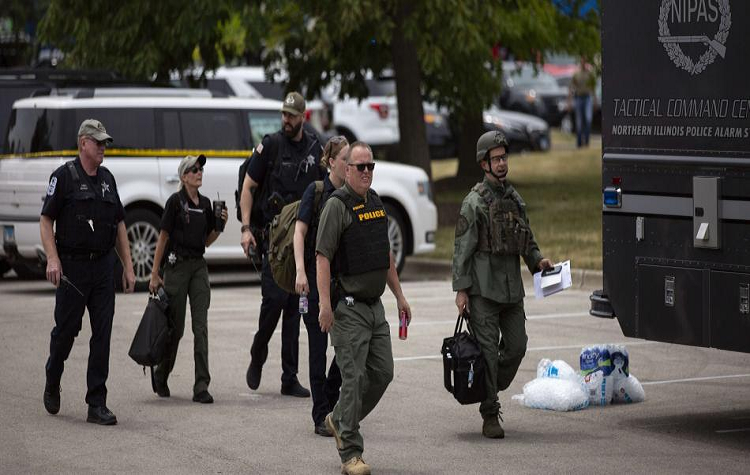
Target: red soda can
{"points": [[402, 325]]}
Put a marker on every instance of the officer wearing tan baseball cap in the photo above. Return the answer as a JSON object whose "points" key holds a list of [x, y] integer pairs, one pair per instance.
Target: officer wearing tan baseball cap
{"points": [[94, 129], [294, 104]]}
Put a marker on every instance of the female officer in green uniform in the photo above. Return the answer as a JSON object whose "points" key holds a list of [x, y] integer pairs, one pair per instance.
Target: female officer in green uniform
{"points": [[188, 224]]}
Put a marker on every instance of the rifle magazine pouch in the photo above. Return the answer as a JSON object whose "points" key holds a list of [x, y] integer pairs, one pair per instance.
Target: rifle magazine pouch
{"points": [[463, 365]]}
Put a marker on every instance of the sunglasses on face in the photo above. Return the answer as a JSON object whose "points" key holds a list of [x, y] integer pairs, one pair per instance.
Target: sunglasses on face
{"points": [[99, 143], [361, 166], [194, 169]]}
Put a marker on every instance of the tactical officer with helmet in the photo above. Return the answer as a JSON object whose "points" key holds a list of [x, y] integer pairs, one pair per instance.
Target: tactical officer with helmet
{"points": [[280, 170], [491, 233], [352, 246], [83, 204]]}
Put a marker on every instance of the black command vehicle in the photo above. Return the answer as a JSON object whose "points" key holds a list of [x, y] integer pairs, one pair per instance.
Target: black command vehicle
{"points": [[676, 171]]}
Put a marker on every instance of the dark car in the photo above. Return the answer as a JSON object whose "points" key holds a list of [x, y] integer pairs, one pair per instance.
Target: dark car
{"points": [[523, 131], [532, 91]]}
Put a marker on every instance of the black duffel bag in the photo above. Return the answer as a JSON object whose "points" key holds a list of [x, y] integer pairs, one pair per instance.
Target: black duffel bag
{"points": [[463, 365], [152, 337]]}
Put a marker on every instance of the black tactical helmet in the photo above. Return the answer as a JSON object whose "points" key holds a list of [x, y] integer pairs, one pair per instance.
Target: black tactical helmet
{"points": [[488, 141]]}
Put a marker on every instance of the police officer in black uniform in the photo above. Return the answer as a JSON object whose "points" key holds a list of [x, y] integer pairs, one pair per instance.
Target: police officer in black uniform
{"points": [[325, 389], [82, 200], [281, 168]]}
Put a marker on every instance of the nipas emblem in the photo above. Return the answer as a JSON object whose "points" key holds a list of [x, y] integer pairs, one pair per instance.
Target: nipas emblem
{"points": [[714, 46]]}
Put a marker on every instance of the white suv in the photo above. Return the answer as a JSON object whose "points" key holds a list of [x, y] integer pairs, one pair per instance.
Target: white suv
{"points": [[152, 133]]}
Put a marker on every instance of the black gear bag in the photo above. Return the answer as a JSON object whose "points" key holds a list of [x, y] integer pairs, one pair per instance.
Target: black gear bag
{"points": [[152, 337], [463, 365]]}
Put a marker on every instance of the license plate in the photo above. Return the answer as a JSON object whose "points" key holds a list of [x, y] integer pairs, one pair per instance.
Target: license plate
{"points": [[9, 235]]}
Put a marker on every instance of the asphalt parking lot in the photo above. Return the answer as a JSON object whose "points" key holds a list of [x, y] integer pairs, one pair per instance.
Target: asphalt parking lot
{"points": [[696, 417]]}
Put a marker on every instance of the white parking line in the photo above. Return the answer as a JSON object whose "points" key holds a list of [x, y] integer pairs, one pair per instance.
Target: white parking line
{"points": [[690, 380], [729, 431]]}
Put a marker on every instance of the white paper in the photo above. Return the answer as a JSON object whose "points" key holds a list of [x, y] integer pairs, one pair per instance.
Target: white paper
{"points": [[552, 284]]}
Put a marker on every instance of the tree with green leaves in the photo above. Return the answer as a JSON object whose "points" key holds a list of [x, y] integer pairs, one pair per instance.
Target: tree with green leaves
{"points": [[139, 39], [440, 51]]}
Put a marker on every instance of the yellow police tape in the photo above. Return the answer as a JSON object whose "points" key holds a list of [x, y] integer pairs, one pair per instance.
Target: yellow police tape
{"points": [[133, 152]]}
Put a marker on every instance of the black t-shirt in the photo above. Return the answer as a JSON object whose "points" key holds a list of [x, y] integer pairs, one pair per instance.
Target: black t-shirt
{"points": [[61, 186], [188, 224], [306, 210], [298, 165]]}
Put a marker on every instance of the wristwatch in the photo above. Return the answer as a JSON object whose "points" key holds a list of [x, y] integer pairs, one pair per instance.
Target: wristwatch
{"points": [[245, 227]]}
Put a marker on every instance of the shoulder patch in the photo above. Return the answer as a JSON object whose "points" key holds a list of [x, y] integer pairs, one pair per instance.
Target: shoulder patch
{"points": [[462, 226], [259, 149], [52, 186]]}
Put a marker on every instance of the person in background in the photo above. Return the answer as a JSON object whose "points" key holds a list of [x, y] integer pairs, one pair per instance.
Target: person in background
{"points": [[325, 390], [188, 225], [581, 96]]}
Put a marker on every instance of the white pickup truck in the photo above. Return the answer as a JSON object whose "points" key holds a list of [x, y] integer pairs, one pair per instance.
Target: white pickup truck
{"points": [[153, 130]]}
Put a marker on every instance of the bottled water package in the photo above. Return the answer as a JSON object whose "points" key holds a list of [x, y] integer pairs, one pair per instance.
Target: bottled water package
{"points": [[628, 390], [599, 388], [557, 369], [554, 394], [596, 358]]}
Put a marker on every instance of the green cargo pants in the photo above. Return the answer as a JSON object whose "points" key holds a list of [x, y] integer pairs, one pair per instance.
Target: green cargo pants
{"points": [[183, 278], [490, 320], [362, 341]]}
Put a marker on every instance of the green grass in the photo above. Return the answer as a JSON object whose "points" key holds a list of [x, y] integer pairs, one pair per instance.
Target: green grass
{"points": [[562, 190]]}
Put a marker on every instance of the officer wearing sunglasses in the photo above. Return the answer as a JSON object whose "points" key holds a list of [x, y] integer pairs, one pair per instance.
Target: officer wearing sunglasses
{"points": [[352, 246], [188, 226]]}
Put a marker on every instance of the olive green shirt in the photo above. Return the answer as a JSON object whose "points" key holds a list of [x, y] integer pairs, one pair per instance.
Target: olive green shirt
{"points": [[493, 276], [583, 83], [334, 220]]}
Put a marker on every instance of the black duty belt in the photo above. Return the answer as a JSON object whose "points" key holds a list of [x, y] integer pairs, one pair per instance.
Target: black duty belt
{"points": [[79, 256]]}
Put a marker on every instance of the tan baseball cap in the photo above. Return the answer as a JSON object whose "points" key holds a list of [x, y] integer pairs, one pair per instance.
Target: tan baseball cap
{"points": [[189, 161], [94, 128], [294, 104]]}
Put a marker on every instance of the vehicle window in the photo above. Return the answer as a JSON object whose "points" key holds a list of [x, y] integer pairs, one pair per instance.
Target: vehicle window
{"points": [[269, 90], [219, 85], [130, 128], [211, 130], [171, 130], [34, 130], [381, 87], [263, 123]]}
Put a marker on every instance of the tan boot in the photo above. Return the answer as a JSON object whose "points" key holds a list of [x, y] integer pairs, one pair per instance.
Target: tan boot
{"points": [[355, 466], [332, 429], [492, 429]]}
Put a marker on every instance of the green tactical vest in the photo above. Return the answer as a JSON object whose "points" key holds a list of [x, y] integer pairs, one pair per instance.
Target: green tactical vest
{"points": [[508, 232]]}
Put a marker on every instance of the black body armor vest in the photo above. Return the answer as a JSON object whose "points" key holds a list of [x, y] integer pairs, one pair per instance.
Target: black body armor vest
{"points": [[364, 244], [87, 222], [508, 232], [290, 174]]}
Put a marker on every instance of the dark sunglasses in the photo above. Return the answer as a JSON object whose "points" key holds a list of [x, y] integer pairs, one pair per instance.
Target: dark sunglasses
{"points": [[194, 169], [361, 166], [337, 139], [99, 143]]}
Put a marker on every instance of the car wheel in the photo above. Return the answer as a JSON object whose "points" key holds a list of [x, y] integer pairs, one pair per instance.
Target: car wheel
{"points": [[143, 232], [29, 271], [4, 267], [396, 235]]}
